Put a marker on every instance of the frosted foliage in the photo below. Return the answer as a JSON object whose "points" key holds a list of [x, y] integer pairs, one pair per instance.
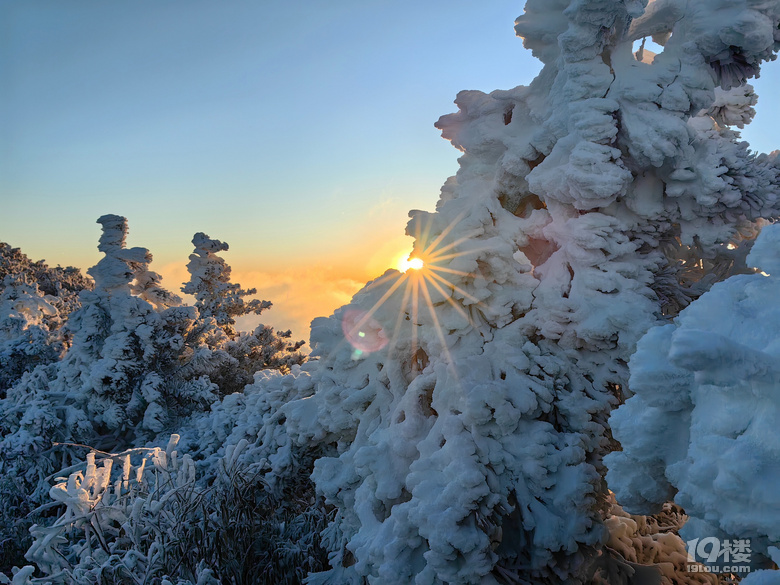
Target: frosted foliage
{"points": [[121, 516], [25, 303], [462, 408], [147, 515], [35, 300], [702, 425], [219, 301], [63, 284]]}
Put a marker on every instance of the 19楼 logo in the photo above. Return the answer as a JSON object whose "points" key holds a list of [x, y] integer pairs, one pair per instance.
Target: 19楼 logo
{"points": [[733, 555]]}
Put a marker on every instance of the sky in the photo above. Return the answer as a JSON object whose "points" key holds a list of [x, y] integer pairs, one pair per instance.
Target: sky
{"points": [[301, 133]]}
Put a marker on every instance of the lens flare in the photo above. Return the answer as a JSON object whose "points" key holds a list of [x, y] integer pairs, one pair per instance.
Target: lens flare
{"points": [[363, 332]]}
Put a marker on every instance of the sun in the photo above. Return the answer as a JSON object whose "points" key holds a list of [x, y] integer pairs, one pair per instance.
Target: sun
{"points": [[407, 263], [421, 274]]}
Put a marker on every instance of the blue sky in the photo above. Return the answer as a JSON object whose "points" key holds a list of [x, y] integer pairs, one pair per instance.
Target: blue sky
{"points": [[261, 121], [299, 132]]}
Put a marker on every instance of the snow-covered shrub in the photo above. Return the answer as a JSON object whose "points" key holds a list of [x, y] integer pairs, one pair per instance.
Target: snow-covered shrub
{"points": [[255, 420], [701, 426], [29, 334], [63, 284], [34, 302], [462, 408], [143, 515], [121, 523]]}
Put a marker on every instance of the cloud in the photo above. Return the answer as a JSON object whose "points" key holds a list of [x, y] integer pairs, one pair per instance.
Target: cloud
{"points": [[298, 295], [301, 291]]}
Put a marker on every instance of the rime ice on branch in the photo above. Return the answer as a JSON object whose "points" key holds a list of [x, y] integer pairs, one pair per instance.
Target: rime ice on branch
{"points": [[606, 195]]}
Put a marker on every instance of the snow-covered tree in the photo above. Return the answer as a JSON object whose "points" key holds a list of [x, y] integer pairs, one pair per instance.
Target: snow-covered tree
{"points": [[215, 296], [122, 368], [701, 426], [118, 383], [139, 364], [28, 331], [219, 302], [461, 409]]}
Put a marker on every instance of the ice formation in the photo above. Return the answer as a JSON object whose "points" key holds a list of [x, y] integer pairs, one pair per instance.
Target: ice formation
{"points": [[651, 547], [702, 424], [136, 505], [467, 448]]}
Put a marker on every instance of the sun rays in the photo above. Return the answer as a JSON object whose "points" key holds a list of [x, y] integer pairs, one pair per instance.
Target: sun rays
{"points": [[428, 283]]}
